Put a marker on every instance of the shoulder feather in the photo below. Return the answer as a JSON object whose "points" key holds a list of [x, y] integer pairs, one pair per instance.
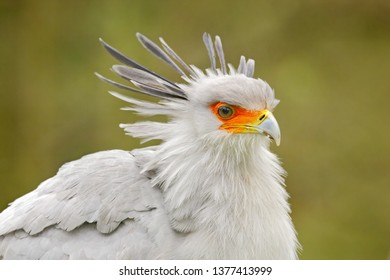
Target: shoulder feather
{"points": [[103, 188]]}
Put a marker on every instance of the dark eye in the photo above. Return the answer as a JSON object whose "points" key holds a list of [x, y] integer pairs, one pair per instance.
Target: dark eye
{"points": [[225, 111]]}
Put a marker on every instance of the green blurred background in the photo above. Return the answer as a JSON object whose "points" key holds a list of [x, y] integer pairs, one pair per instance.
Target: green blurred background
{"points": [[329, 62]]}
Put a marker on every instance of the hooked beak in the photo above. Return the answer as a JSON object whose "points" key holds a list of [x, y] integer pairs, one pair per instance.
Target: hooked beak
{"points": [[269, 126]]}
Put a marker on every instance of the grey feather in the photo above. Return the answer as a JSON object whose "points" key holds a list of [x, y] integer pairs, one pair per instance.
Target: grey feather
{"points": [[158, 52], [250, 68], [210, 50], [242, 66], [150, 93], [157, 92], [142, 77], [122, 58], [221, 55], [173, 54]]}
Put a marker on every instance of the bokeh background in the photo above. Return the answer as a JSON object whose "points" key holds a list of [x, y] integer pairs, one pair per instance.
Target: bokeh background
{"points": [[328, 61]]}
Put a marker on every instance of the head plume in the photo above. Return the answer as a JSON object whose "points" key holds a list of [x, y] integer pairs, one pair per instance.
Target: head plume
{"points": [[147, 82]]}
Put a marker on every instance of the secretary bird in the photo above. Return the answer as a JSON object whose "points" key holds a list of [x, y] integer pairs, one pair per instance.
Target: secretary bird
{"points": [[211, 190]]}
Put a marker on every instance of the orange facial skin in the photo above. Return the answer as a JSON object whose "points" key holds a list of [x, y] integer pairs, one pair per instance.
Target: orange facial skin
{"points": [[241, 121]]}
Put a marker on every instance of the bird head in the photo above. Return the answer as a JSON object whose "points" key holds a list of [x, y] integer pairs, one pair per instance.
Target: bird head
{"points": [[234, 104], [220, 100]]}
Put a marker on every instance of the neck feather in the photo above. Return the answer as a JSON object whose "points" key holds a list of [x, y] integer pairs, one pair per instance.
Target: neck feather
{"points": [[227, 189]]}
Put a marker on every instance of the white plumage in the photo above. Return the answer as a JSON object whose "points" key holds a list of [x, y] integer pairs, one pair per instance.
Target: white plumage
{"points": [[211, 190]]}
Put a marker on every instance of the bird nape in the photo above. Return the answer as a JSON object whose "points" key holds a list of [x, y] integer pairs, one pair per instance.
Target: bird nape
{"points": [[211, 190]]}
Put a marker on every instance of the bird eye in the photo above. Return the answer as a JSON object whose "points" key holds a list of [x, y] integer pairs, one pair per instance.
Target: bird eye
{"points": [[225, 111]]}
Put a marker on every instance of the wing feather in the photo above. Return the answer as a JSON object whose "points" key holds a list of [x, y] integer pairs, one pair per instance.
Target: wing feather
{"points": [[90, 197]]}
